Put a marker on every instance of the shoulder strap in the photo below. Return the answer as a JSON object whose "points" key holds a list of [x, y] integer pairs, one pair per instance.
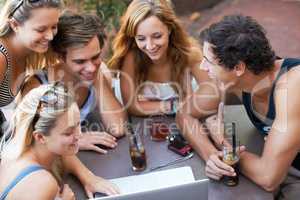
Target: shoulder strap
{"points": [[5, 53], [42, 76], [19, 177], [89, 104], [287, 64]]}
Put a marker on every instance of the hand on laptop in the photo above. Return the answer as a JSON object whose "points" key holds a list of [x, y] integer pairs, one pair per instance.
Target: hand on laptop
{"points": [[95, 140], [98, 184]]}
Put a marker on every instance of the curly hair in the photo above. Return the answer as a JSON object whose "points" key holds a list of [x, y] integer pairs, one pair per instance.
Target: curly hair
{"points": [[238, 38]]}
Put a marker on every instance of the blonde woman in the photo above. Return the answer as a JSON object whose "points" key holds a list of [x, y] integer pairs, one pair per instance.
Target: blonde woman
{"points": [[156, 57], [47, 128], [26, 28]]}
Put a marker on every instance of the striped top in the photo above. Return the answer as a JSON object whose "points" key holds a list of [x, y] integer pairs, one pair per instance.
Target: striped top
{"points": [[6, 96]]}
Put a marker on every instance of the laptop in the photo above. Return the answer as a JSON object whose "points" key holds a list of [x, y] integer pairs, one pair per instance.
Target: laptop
{"points": [[173, 184], [197, 190]]}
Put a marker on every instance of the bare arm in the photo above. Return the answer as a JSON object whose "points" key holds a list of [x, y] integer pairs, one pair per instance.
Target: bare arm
{"points": [[42, 178], [73, 165], [194, 132], [112, 113], [283, 141], [200, 75], [107, 73], [91, 182], [129, 92], [193, 72], [201, 104]]}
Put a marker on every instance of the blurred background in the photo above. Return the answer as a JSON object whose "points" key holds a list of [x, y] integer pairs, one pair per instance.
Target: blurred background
{"points": [[281, 18]]}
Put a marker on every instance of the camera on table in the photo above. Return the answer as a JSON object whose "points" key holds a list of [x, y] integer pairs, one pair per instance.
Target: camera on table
{"points": [[178, 144]]}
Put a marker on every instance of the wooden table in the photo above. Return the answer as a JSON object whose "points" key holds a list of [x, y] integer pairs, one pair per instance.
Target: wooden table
{"points": [[116, 163]]}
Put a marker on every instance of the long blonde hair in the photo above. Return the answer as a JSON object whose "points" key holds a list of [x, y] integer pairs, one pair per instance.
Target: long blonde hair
{"points": [[20, 10], [30, 116], [183, 50]]}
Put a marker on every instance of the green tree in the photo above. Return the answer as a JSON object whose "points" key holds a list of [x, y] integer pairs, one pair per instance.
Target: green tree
{"points": [[109, 11], [1, 3]]}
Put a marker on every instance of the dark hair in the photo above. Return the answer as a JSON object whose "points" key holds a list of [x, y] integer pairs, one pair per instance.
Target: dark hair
{"points": [[240, 38], [75, 30]]}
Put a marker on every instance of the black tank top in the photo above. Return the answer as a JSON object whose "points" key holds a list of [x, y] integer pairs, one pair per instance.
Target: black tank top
{"points": [[265, 126]]}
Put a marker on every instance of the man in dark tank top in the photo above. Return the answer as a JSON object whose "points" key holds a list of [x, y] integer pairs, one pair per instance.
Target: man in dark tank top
{"points": [[238, 56]]}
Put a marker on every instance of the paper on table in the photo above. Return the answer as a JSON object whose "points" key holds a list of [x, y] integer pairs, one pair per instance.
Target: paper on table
{"points": [[155, 180]]}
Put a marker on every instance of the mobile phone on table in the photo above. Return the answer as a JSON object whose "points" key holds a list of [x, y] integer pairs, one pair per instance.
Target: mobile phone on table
{"points": [[178, 144]]}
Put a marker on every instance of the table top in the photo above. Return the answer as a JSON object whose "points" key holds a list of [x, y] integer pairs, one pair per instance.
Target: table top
{"points": [[116, 163]]}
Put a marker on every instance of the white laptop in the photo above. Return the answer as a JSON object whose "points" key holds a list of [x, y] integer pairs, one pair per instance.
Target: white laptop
{"points": [[172, 184]]}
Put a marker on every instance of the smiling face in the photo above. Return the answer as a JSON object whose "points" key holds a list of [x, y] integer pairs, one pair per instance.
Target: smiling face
{"points": [[63, 137], [36, 32], [152, 38], [214, 69], [83, 62]]}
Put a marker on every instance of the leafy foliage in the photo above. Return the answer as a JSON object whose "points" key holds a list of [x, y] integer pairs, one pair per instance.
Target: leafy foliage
{"points": [[110, 11], [1, 3]]}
